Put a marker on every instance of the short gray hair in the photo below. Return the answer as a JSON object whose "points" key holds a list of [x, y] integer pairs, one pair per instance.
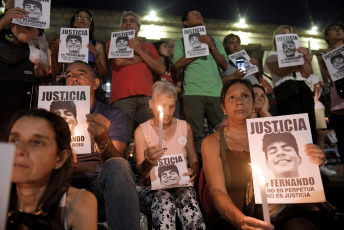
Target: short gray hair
{"points": [[126, 13], [164, 87]]}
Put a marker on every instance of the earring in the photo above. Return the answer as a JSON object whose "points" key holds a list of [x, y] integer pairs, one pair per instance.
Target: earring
{"points": [[225, 114]]}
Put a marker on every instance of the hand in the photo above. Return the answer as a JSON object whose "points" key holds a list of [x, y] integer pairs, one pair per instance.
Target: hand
{"points": [[94, 51], [266, 106], [254, 61], [193, 175], [153, 153], [238, 74], [54, 46], [253, 223], [98, 127], [315, 154], [303, 51], [13, 13], [206, 39], [135, 44]]}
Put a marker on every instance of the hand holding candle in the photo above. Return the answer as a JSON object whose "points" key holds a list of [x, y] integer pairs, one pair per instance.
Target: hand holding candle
{"points": [[261, 180], [161, 117]]}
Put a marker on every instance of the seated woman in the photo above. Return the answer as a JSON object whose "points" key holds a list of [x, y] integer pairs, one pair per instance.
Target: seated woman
{"points": [[165, 204], [227, 180], [261, 102], [96, 55], [41, 197]]}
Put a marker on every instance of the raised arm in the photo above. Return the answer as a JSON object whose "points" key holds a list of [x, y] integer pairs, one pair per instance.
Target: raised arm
{"points": [[220, 60], [305, 69], [146, 156], [99, 129], [99, 59], [216, 182]]}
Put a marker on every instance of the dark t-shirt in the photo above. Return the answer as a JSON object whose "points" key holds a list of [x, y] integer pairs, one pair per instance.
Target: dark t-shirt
{"points": [[89, 164]]}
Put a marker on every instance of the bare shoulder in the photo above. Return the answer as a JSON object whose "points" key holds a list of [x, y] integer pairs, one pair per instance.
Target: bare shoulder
{"points": [[211, 144], [84, 212]]}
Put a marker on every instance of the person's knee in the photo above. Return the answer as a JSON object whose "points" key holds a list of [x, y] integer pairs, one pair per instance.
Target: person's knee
{"points": [[116, 166]]}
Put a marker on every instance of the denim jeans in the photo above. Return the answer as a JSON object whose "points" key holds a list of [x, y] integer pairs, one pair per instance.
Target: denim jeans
{"points": [[116, 194]]}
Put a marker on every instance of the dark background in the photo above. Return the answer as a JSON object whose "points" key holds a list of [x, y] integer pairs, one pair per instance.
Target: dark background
{"points": [[292, 12]]}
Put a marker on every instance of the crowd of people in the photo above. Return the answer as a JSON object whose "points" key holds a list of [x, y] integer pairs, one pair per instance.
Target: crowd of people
{"points": [[54, 189]]}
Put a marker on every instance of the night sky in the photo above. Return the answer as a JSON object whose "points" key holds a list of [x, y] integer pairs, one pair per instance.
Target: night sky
{"points": [[291, 12]]}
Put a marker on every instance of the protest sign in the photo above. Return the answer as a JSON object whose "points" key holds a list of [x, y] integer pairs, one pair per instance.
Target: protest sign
{"points": [[72, 103], [73, 45], [119, 44], [334, 61], [287, 45], [39, 13], [193, 47], [277, 149], [242, 55], [168, 172]]}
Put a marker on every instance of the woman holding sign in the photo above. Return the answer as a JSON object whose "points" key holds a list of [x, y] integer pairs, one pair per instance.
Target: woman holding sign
{"points": [[176, 139], [96, 56], [292, 93], [41, 197], [226, 166]]}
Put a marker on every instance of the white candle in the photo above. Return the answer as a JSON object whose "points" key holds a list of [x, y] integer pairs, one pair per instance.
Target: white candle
{"points": [[261, 181], [309, 47], [265, 206], [161, 117]]}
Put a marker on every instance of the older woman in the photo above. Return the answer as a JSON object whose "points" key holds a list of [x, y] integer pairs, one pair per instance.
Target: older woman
{"points": [[96, 56], [41, 197], [228, 179], [165, 204], [301, 102]]}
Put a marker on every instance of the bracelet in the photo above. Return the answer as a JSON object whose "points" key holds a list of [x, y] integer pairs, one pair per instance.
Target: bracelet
{"points": [[102, 148]]}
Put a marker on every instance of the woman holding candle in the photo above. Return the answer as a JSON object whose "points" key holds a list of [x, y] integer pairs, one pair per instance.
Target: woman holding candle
{"points": [[226, 157], [176, 137]]}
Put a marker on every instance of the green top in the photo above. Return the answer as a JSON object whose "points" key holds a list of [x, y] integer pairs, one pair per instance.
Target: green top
{"points": [[201, 77]]}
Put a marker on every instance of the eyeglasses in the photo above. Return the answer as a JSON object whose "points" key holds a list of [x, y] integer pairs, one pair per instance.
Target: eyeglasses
{"points": [[85, 18]]}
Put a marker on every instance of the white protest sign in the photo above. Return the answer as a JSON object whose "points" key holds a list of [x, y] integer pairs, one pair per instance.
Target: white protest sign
{"points": [[119, 44], [39, 13], [193, 47], [73, 45], [277, 149], [72, 103], [287, 45], [334, 61], [250, 68]]}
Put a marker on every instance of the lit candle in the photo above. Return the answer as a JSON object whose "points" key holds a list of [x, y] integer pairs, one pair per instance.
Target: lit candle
{"points": [[261, 180], [161, 117]]}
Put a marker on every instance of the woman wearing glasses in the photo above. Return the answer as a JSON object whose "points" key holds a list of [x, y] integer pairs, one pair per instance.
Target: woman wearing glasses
{"points": [[96, 56]]}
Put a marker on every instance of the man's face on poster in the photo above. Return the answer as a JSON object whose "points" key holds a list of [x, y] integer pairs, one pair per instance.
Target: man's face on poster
{"points": [[122, 44], [289, 49], [338, 63], [282, 159], [73, 45], [34, 11], [68, 116], [194, 42], [169, 178]]}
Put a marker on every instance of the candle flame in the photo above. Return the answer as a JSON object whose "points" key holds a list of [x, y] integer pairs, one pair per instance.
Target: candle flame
{"points": [[160, 108], [256, 170]]}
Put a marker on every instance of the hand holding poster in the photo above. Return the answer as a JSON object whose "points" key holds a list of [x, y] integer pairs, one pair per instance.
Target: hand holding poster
{"points": [[39, 13], [73, 45], [287, 45], [277, 149], [72, 103], [168, 173], [119, 44], [242, 55], [334, 61], [193, 47], [6, 165]]}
